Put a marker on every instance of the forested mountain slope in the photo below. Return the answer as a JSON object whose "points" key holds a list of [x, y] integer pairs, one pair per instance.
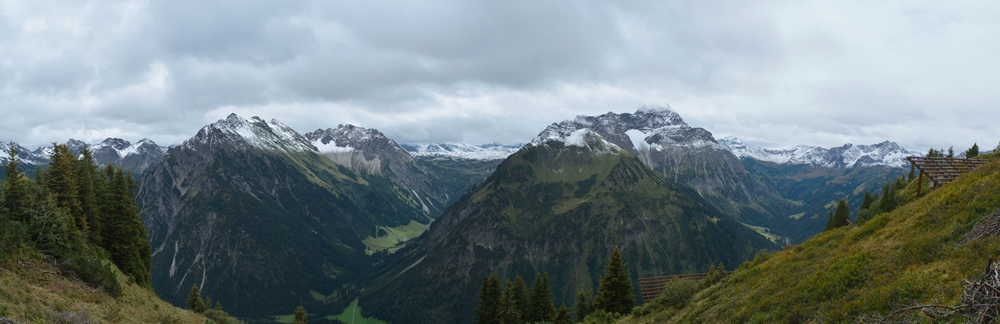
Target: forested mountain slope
{"points": [[559, 206]]}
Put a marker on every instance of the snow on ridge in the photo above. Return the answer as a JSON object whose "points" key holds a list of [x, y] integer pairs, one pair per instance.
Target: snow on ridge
{"points": [[849, 155], [462, 151]]}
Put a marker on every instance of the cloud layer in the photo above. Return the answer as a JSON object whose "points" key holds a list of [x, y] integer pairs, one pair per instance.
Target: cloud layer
{"points": [[773, 73]]}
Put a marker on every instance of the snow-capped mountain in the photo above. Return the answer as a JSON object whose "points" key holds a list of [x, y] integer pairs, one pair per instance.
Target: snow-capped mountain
{"points": [[849, 155], [358, 148], [237, 132], [135, 157], [649, 128], [462, 151], [27, 156]]}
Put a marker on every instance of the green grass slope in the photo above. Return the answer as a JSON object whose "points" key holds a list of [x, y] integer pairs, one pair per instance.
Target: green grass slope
{"points": [[34, 291], [907, 257]]}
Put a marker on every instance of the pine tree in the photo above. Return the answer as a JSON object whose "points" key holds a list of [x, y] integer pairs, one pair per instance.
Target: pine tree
{"points": [[518, 296], [583, 304], [562, 315], [614, 294], [15, 197], [60, 179], [86, 181], [951, 152], [843, 212], [888, 201], [300, 315], [913, 172], [488, 311], [508, 308], [865, 211], [540, 306], [972, 151], [194, 301], [126, 240]]}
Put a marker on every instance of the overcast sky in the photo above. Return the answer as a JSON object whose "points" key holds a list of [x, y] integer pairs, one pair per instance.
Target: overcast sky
{"points": [[773, 73]]}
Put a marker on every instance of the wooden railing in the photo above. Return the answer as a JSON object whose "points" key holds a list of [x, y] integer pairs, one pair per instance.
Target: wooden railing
{"points": [[650, 288]]}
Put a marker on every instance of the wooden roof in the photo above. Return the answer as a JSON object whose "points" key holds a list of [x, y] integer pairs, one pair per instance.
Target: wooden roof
{"points": [[944, 170]]}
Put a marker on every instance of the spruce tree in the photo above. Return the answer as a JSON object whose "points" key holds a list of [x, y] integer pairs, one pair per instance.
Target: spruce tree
{"points": [[540, 306], [15, 197], [194, 301], [60, 179], [86, 179], [583, 304], [614, 294], [951, 152], [888, 201], [488, 311], [972, 151], [508, 308], [518, 296], [839, 217], [562, 315], [300, 315], [126, 240]]}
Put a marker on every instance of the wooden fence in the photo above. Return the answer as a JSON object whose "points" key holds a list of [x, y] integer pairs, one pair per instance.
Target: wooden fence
{"points": [[650, 288]]}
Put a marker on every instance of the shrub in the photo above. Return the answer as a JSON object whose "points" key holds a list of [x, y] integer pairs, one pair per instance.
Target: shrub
{"points": [[676, 294], [219, 316], [98, 274]]}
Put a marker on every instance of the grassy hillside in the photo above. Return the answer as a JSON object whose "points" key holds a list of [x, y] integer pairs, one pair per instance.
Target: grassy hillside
{"points": [[34, 291], [910, 256]]}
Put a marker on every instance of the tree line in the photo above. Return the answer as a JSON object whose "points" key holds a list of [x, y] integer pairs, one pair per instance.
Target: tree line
{"points": [[77, 212], [514, 303]]}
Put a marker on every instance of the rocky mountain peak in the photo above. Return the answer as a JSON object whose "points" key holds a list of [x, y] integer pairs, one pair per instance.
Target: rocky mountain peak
{"points": [[647, 128], [237, 132]]}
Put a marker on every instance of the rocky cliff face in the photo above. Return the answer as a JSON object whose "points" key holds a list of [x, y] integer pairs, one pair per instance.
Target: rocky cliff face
{"points": [[250, 212]]}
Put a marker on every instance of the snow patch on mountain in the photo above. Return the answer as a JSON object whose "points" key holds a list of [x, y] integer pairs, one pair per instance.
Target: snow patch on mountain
{"points": [[253, 132], [849, 155], [462, 151], [585, 138]]}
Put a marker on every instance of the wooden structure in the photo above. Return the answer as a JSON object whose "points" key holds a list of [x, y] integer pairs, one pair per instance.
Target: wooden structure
{"points": [[650, 288], [942, 170]]}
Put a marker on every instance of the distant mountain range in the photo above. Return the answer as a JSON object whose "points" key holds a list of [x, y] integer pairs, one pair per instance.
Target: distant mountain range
{"points": [[136, 157], [262, 217], [849, 155], [493, 151]]}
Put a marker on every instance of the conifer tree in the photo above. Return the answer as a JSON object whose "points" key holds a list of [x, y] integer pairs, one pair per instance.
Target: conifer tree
{"points": [[583, 304], [913, 172], [518, 296], [839, 217], [300, 315], [868, 200], [615, 294], [488, 311], [508, 307], [15, 197], [540, 306], [951, 152], [972, 151], [194, 301], [562, 315], [888, 201], [60, 179], [86, 181], [126, 240]]}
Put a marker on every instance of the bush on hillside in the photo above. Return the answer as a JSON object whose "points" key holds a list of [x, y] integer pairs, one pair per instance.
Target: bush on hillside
{"points": [[676, 294]]}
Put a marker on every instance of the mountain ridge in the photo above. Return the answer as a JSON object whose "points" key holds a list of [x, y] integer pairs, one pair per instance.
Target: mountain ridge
{"points": [[848, 155]]}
